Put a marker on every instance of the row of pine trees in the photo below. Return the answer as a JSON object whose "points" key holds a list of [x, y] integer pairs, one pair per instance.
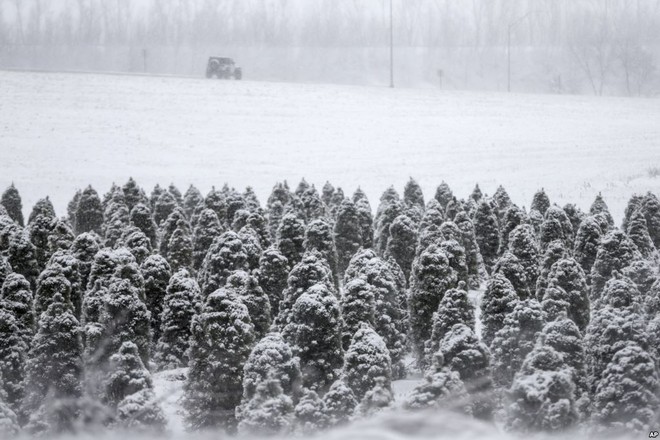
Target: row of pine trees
{"points": [[297, 316]]}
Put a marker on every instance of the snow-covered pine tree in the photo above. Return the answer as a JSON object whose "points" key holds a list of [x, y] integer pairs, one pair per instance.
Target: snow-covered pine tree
{"points": [[191, 199], [60, 237], [651, 209], [164, 206], [252, 246], [431, 277], [17, 299], [310, 414], [555, 251], [365, 219], [473, 258], [542, 396], [50, 283], [39, 228], [615, 252], [137, 243], [11, 200], [222, 338], [638, 233], [568, 292], [390, 207], [402, 242], [487, 233], [556, 213], [575, 216], [454, 308], [156, 272], [551, 231], [340, 404], [207, 229], [443, 194], [609, 330], [246, 287], [366, 360], [563, 335], [54, 371], [72, 207], [347, 234], [510, 267], [273, 273], [511, 219], [587, 240], [377, 399], [502, 202], [626, 398], [441, 388], [269, 412], [226, 254], [600, 207], [522, 244], [89, 214], [181, 303], [278, 199], [465, 354], [116, 218], [498, 301], [21, 255], [291, 238], [133, 194], [311, 270], [128, 389], [515, 340], [540, 202], [320, 238], [314, 333], [413, 195], [84, 248], [13, 353], [358, 306], [140, 217], [390, 316], [180, 247]]}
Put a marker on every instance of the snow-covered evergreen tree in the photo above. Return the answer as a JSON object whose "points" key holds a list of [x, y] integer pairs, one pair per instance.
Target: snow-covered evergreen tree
{"points": [[181, 303], [555, 251], [269, 412], [156, 272], [246, 287], [575, 216], [54, 371], [89, 213], [140, 217], [314, 333], [541, 398], [443, 194], [358, 306], [540, 202], [567, 291], [390, 207], [13, 353], [366, 360], [454, 308], [377, 399], [11, 200], [128, 389], [222, 338], [626, 398], [340, 404], [319, 237], [137, 243], [21, 255], [432, 276], [509, 266], [487, 233], [17, 299], [402, 243], [226, 254], [511, 219], [615, 252], [600, 207], [638, 233], [50, 283], [310, 414], [291, 238], [347, 234], [651, 209], [465, 354], [515, 340], [365, 219], [84, 248], [164, 206], [191, 199], [441, 388], [273, 273], [207, 229], [133, 194], [498, 301], [180, 247]]}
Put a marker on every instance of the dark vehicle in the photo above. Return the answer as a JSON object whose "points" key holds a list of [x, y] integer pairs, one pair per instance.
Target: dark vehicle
{"points": [[223, 68]]}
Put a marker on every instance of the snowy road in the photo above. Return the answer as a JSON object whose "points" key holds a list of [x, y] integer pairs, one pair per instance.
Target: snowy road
{"points": [[59, 132]]}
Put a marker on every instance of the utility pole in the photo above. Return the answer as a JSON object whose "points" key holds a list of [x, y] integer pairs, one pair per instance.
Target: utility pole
{"points": [[391, 47]]}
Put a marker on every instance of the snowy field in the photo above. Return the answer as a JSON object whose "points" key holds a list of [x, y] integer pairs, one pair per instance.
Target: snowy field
{"points": [[60, 132]]}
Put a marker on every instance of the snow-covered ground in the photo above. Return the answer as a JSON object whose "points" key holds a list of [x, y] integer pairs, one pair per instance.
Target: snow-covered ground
{"points": [[59, 132]]}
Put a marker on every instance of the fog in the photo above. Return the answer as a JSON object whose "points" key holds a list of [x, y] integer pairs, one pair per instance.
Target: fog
{"points": [[601, 47]]}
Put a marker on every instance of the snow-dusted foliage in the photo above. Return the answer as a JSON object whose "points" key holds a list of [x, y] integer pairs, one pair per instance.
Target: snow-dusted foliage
{"points": [[156, 272], [366, 360], [11, 201], [541, 398], [180, 304], [487, 232], [273, 273], [568, 292], [498, 301], [615, 252], [269, 412], [291, 238], [347, 234], [311, 415], [226, 254], [221, 341], [340, 404], [314, 333], [247, 289]]}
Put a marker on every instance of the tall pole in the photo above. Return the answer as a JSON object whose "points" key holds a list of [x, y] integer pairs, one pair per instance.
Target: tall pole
{"points": [[391, 47]]}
